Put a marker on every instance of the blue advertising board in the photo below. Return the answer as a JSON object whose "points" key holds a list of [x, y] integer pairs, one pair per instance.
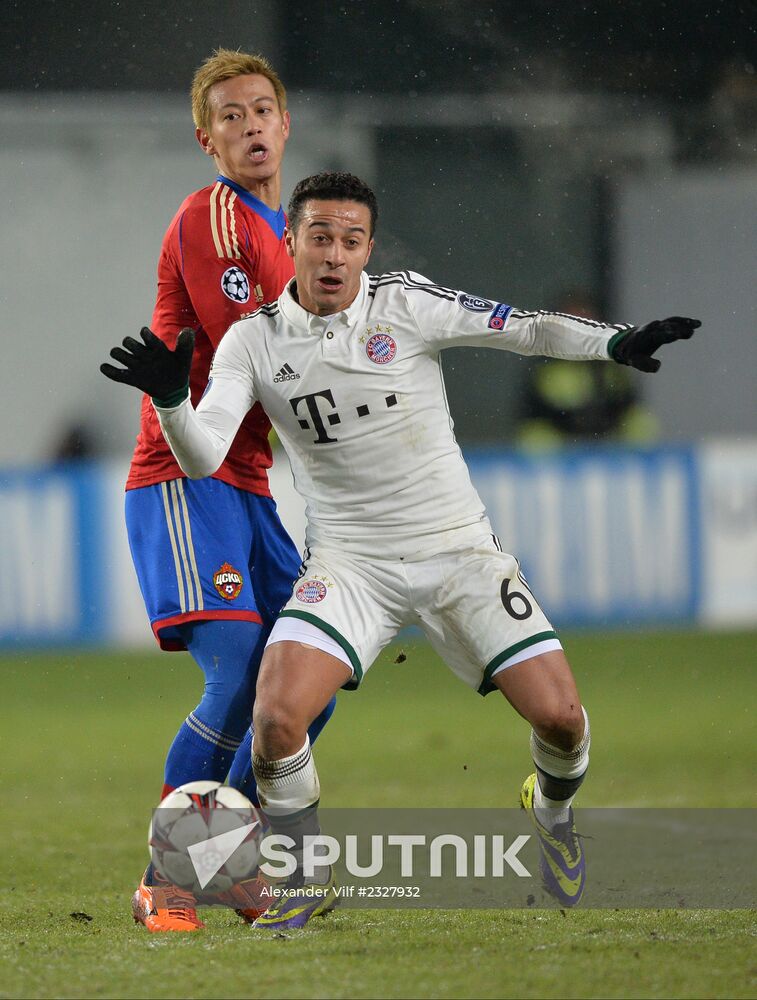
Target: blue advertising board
{"points": [[52, 578], [605, 538]]}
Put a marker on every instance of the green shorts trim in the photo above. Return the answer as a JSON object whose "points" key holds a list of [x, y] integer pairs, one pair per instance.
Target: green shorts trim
{"points": [[306, 616], [486, 684]]}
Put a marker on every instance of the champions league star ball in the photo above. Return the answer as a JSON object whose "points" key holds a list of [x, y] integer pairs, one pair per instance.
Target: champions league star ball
{"points": [[235, 284], [205, 837]]}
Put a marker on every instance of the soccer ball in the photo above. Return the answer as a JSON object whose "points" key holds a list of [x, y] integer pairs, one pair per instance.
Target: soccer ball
{"points": [[205, 837]]}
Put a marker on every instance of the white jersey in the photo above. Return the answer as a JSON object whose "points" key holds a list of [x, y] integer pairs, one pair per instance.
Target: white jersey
{"points": [[358, 401]]}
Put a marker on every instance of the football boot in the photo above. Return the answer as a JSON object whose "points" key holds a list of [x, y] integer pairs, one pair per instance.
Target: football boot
{"points": [[561, 857], [162, 906], [296, 901], [248, 899]]}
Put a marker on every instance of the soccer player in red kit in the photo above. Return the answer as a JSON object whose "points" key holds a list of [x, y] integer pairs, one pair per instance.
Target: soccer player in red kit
{"points": [[213, 560]]}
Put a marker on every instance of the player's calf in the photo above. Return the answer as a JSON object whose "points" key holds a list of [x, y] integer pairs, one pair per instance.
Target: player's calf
{"points": [[561, 761], [296, 681]]}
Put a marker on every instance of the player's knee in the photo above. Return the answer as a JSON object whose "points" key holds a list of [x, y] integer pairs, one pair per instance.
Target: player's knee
{"points": [[562, 726], [276, 727]]}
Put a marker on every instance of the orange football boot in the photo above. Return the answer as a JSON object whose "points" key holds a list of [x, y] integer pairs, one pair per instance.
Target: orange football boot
{"points": [[249, 898], [164, 907]]}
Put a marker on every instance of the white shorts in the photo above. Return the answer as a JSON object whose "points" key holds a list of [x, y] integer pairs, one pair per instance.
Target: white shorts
{"points": [[472, 602]]}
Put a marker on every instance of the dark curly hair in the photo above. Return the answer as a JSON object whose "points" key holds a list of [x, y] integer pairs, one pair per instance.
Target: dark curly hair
{"points": [[327, 186]]}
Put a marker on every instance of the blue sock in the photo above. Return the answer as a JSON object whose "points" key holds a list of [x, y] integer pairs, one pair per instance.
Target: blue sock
{"points": [[228, 652], [241, 776]]}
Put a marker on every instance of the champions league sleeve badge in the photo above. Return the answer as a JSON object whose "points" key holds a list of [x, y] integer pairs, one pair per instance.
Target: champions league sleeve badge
{"points": [[235, 285], [499, 316]]}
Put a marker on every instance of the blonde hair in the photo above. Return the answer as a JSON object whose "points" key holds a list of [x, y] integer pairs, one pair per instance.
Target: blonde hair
{"points": [[225, 64]]}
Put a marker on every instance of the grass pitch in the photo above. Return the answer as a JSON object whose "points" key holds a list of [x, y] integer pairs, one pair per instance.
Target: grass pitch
{"points": [[84, 736]]}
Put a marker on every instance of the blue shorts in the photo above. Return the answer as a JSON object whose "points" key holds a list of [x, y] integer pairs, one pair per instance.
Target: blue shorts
{"points": [[202, 550]]}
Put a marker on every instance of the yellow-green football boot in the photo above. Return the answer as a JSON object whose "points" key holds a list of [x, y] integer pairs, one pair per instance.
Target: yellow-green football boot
{"points": [[298, 902], [562, 861]]}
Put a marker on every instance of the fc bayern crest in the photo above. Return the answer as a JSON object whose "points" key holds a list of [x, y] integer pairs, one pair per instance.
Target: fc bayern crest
{"points": [[381, 348], [228, 582], [235, 285], [310, 591]]}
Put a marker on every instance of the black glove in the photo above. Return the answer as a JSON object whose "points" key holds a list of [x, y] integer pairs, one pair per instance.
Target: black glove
{"points": [[635, 347], [153, 367]]}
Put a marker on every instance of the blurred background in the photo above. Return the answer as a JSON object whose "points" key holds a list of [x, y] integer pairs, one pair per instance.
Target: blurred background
{"points": [[584, 158]]}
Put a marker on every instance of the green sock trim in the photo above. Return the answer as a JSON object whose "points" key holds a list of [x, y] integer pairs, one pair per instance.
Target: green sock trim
{"points": [[486, 684], [614, 341], [306, 616], [174, 399]]}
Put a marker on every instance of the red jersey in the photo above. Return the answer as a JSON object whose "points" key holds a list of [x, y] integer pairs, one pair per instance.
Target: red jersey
{"points": [[223, 256]]}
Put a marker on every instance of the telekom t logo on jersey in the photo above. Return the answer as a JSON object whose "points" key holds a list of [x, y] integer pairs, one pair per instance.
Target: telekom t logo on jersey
{"points": [[311, 402], [313, 408]]}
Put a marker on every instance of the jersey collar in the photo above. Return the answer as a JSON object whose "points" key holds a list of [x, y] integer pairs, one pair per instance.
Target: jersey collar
{"points": [[297, 316], [276, 220]]}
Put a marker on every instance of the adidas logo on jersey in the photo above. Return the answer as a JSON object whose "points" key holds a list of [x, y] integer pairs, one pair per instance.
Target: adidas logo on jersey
{"points": [[285, 374]]}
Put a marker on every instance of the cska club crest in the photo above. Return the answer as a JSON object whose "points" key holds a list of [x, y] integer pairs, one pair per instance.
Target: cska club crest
{"points": [[228, 582]]}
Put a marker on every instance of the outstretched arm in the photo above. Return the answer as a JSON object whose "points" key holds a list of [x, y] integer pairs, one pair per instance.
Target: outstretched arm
{"points": [[556, 335], [449, 318]]}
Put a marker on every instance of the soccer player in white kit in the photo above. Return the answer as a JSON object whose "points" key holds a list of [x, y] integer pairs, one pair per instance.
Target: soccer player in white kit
{"points": [[347, 368]]}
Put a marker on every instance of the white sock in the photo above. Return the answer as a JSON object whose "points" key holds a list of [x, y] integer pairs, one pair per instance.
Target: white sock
{"points": [[568, 765], [550, 812], [287, 785], [289, 790]]}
